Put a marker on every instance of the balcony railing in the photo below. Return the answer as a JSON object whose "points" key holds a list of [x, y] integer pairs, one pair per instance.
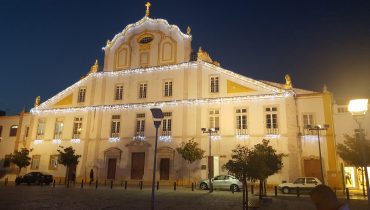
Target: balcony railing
{"points": [[272, 131], [76, 136], [166, 133], [241, 132], [114, 135], [40, 136], [139, 136]]}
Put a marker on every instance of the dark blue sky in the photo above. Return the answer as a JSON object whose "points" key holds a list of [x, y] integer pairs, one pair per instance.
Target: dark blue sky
{"points": [[48, 45]]}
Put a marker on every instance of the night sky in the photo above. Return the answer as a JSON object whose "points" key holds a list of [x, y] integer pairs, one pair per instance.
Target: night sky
{"points": [[48, 45]]}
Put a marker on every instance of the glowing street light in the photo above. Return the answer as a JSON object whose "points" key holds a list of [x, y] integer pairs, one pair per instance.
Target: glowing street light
{"points": [[358, 109]]}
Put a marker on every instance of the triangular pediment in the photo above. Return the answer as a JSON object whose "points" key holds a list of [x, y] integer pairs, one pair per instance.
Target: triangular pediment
{"points": [[65, 101], [233, 87]]}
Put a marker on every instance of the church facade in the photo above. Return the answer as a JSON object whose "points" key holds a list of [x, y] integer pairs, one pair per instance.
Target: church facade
{"points": [[106, 115]]}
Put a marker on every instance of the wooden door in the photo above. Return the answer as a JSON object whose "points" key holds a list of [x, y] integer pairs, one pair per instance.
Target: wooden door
{"points": [[165, 169], [137, 165], [312, 168], [112, 164]]}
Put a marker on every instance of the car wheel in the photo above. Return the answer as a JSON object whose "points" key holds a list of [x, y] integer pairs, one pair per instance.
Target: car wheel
{"points": [[203, 186], [286, 190], [234, 188]]}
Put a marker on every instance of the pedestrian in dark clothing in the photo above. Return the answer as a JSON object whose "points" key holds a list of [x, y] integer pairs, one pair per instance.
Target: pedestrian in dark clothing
{"points": [[91, 176]]}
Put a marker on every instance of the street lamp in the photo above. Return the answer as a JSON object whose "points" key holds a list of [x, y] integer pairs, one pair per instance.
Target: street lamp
{"points": [[157, 118], [210, 131], [319, 128], [358, 109]]}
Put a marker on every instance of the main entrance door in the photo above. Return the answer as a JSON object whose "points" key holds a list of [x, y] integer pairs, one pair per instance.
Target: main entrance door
{"points": [[312, 168], [165, 169], [112, 163], [137, 165]]}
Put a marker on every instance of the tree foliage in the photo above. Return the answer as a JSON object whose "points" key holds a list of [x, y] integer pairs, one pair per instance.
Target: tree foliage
{"points": [[238, 165], [264, 161], [190, 151], [67, 156], [20, 158], [350, 151]]}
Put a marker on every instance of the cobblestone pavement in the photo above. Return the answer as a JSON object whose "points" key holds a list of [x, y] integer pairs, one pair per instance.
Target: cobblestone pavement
{"points": [[60, 197]]}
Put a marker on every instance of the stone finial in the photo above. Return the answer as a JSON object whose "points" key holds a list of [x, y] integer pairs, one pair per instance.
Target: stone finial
{"points": [[188, 30], [147, 12], [325, 89], [37, 101], [94, 68], [288, 82], [108, 43], [204, 56]]}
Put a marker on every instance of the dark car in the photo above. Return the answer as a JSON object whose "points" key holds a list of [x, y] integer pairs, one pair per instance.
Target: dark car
{"points": [[34, 178]]}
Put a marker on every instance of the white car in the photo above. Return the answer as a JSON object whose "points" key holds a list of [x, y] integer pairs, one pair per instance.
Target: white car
{"points": [[304, 184], [225, 182]]}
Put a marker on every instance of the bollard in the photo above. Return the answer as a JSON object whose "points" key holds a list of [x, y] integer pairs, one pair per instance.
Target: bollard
{"points": [[125, 185], [347, 193], [157, 185], [105, 182], [60, 180], [141, 185], [111, 184], [298, 193], [96, 184], [174, 186], [275, 190], [6, 181], [68, 184], [82, 184], [252, 189], [192, 186], [232, 190], [121, 183], [54, 183]]}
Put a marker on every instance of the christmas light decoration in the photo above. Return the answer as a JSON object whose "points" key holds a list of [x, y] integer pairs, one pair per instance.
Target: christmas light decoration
{"points": [[114, 139], [144, 20], [138, 138], [242, 137], [38, 141], [165, 138], [272, 136], [56, 141], [75, 141], [311, 138], [215, 137], [278, 93]]}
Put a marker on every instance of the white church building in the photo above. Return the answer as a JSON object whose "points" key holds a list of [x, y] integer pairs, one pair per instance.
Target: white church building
{"points": [[106, 116]]}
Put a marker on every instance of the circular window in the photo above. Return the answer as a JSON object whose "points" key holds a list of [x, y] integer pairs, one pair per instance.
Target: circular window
{"points": [[145, 38]]}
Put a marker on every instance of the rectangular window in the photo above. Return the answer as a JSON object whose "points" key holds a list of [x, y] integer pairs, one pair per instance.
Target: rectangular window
{"points": [[308, 120], [342, 110], [167, 124], [140, 124], [241, 121], [40, 129], [116, 124], [119, 92], [77, 128], [58, 129], [53, 163], [214, 84], [13, 130], [214, 119], [168, 88], [81, 95], [142, 90], [1, 130], [35, 162], [271, 120]]}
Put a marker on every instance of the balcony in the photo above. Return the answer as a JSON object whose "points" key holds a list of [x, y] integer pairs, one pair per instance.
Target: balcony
{"points": [[165, 136], [241, 134], [139, 136]]}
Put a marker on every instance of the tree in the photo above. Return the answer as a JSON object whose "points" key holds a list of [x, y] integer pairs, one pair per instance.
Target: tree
{"points": [[68, 158], [350, 151], [20, 159], [264, 162], [190, 152], [238, 165]]}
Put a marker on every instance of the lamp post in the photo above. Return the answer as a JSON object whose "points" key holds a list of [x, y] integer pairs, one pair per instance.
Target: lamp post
{"points": [[319, 128], [157, 118], [210, 131], [358, 109]]}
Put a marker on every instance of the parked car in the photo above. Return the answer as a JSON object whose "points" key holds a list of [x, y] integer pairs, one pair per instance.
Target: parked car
{"points": [[34, 178], [222, 182], [304, 184]]}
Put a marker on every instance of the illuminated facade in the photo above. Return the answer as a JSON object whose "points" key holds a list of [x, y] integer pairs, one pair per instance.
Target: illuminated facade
{"points": [[105, 116]]}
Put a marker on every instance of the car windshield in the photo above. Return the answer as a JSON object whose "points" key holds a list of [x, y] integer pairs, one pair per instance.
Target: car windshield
{"points": [[299, 181], [311, 181], [221, 177]]}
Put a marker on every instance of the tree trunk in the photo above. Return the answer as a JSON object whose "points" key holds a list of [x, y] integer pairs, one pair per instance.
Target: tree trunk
{"points": [[245, 193], [67, 175], [261, 185]]}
